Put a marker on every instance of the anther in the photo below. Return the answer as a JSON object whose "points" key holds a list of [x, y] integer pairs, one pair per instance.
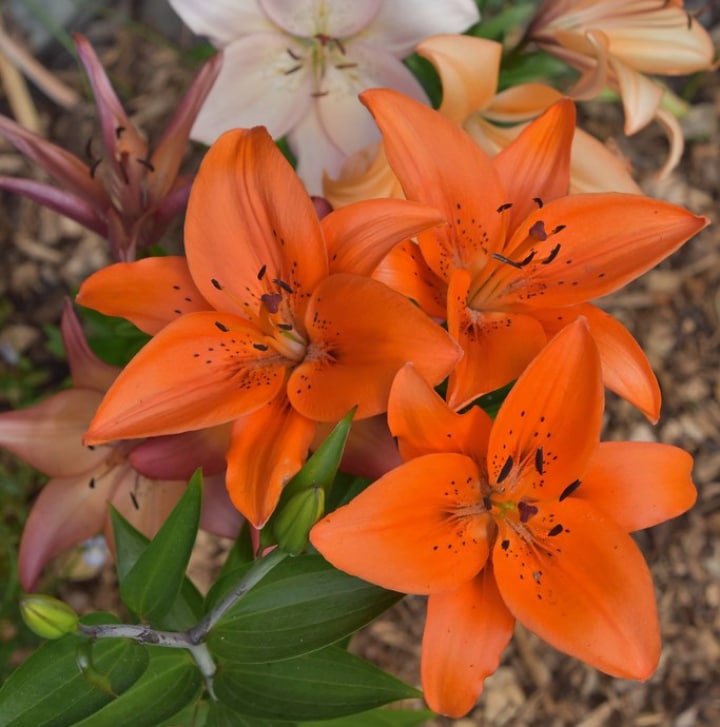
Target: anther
{"points": [[555, 530], [501, 258], [538, 202], [285, 326], [505, 544], [147, 164], [557, 229], [320, 94], [91, 484], [504, 207], [553, 254], [282, 284], [487, 502], [539, 462], [119, 130], [569, 490], [135, 502], [505, 471], [260, 346], [294, 69], [527, 260], [216, 284], [261, 272], [292, 55], [221, 326]]}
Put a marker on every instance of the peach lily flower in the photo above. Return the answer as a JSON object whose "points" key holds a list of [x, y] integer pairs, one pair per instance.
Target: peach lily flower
{"points": [[615, 43], [72, 506], [297, 67], [288, 329], [525, 518], [128, 195], [517, 257], [468, 68]]}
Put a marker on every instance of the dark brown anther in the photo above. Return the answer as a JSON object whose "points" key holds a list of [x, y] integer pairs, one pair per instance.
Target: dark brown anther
{"points": [[91, 484], [216, 284], [221, 326], [343, 66], [557, 229], [292, 55], [285, 326], [504, 207], [487, 502], [294, 69], [527, 260], [553, 254], [501, 258], [505, 471], [260, 346], [538, 202], [261, 272], [569, 490], [135, 502], [282, 284], [505, 544], [539, 461], [555, 530], [320, 94]]}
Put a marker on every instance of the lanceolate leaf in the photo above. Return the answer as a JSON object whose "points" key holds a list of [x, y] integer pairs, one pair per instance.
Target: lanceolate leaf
{"points": [[171, 682], [378, 718], [129, 546], [50, 690], [302, 605], [323, 685], [220, 715], [152, 585]]}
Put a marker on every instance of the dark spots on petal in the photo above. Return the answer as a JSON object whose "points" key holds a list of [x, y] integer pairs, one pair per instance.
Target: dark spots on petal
{"points": [[505, 544], [91, 483], [178, 311], [569, 490], [176, 287]]}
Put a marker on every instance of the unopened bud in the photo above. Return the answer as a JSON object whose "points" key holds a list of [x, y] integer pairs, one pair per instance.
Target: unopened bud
{"points": [[293, 523], [47, 616]]}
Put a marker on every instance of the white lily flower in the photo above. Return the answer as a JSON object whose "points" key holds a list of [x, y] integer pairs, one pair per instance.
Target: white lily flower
{"points": [[297, 66]]}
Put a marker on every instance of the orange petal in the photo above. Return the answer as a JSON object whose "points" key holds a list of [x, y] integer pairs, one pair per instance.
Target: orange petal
{"points": [[249, 212], [423, 423], [457, 59], [267, 448], [406, 531], [587, 590], [625, 367], [439, 164], [359, 236], [496, 346], [465, 634], [404, 269], [549, 425], [361, 334], [150, 293], [595, 244], [193, 374], [639, 484], [535, 168]]}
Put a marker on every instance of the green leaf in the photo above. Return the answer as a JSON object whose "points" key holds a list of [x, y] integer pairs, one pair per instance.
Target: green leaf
{"points": [[50, 690], [129, 546], [326, 684], [153, 583], [510, 20], [170, 683], [220, 715], [302, 605], [378, 718]]}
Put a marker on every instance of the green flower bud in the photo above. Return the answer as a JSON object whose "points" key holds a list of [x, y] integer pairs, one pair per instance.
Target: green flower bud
{"points": [[47, 616], [293, 523]]}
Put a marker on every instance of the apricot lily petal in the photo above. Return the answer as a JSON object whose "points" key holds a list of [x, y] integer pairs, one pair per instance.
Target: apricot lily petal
{"points": [[421, 548], [150, 293], [626, 369], [591, 597], [361, 334], [549, 425], [465, 634], [423, 423], [267, 448], [536, 167], [249, 212], [639, 484], [588, 249], [360, 236], [193, 374], [496, 346], [457, 59]]}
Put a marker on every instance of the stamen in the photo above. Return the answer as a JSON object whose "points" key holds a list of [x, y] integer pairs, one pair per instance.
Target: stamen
{"points": [[261, 272], [292, 55], [538, 202], [216, 284], [285, 326], [222, 326], [260, 346], [487, 502], [553, 254], [504, 207], [527, 260], [556, 530], [506, 260], [282, 284], [569, 490], [343, 66], [505, 471], [539, 463], [293, 69], [557, 229], [319, 94], [91, 484], [135, 502]]}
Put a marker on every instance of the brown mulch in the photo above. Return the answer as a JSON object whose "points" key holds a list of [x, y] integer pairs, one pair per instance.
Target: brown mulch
{"points": [[673, 311]]}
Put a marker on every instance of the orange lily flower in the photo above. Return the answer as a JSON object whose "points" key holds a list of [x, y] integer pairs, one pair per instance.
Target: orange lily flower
{"points": [[471, 99], [525, 518], [288, 329], [616, 42], [515, 251]]}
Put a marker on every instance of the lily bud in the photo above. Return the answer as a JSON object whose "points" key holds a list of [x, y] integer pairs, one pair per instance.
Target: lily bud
{"points": [[293, 523], [47, 616]]}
